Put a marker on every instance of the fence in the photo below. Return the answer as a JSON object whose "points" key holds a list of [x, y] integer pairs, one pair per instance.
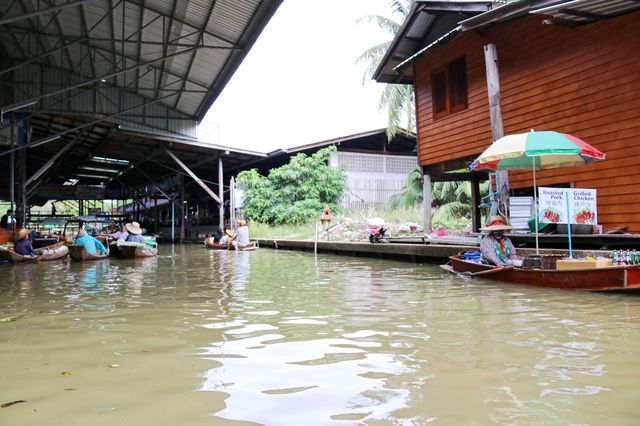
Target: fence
{"points": [[371, 178]]}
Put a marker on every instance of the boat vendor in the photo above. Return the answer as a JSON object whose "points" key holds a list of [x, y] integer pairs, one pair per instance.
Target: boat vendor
{"points": [[23, 246], [135, 233], [241, 237], [496, 248], [122, 234], [91, 245], [227, 237]]}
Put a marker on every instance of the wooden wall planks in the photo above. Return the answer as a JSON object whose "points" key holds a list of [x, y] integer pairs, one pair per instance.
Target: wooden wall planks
{"points": [[581, 80]]}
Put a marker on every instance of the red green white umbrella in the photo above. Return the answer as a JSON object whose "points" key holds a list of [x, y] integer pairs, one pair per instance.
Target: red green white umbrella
{"points": [[535, 151]]}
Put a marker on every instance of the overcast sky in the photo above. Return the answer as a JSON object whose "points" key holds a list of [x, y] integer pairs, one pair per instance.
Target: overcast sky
{"points": [[299, 83]]}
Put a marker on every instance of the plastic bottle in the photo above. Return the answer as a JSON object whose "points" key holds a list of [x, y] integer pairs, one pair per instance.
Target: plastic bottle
{"points": [[616, 258]]}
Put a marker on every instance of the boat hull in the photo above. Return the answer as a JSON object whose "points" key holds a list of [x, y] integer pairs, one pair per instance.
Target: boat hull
{"points": [[55, 252], [79, 253], [135, 252], [217, 246], [615, 278]]}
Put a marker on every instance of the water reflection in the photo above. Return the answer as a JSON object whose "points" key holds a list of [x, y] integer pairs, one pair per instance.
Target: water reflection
{"points": [[290, 338]]}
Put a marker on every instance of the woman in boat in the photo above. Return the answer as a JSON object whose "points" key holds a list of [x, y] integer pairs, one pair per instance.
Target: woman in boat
{"points": [[241, 237], [135, 233], [91, 245], [23, 246], [496, 248], [122, 234]]}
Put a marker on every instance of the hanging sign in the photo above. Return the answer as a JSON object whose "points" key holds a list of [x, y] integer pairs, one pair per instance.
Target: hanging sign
{"points": [[558, 204]]}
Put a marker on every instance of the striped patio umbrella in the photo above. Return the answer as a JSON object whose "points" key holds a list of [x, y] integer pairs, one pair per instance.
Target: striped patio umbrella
{"points": [[535, 151]]}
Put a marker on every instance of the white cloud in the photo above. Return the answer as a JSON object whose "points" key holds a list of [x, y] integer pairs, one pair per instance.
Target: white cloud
{"points": [[299, 83]]}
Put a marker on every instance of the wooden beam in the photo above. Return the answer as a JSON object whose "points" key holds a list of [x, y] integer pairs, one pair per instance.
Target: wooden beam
{"points": [[426, 197], [476, 220], [193, 176], [495, 108], [221, 192]]}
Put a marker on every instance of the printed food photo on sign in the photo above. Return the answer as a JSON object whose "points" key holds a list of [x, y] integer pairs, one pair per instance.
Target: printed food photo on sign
{"points": [[585, 216], [550, 215]]}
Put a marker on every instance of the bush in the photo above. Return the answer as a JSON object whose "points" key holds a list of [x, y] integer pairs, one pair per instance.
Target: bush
{"points": [[294, 193]]}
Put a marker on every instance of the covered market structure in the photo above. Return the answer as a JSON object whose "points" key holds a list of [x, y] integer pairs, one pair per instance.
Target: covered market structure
{"points": [[100, 99]]}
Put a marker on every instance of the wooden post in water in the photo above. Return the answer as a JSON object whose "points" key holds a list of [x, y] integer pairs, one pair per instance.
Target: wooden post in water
{"points": [[426, 200], [495, 111]]}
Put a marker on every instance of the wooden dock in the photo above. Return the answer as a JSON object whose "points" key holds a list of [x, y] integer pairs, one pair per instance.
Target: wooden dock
{"points": [[412, 252]]}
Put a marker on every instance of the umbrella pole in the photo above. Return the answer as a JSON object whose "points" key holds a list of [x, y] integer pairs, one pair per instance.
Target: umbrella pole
{"points": [[569, 225], [535, 203]]}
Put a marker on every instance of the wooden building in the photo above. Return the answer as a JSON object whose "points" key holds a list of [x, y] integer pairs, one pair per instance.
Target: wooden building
{"points": [[570, 66]]}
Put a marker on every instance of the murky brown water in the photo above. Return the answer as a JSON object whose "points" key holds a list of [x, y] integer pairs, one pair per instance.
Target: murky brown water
{"points": [[201, 337]]}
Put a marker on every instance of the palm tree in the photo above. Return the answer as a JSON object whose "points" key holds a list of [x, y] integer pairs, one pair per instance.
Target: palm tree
{"points": [[450, 201], [398, 99]]}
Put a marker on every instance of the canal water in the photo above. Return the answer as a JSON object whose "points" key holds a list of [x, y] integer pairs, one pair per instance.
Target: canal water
{"points": [[203, 337]]}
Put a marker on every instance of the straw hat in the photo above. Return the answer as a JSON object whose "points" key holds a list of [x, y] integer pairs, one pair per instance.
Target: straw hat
{"points": [[496, 224], [133, 228], [23, 233]]}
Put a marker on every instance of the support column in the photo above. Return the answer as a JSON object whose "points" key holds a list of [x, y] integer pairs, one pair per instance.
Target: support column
{"points": [[12, 170], [476, 220], [426, 197], [156, 227], [182, 209], [22, 195], [221, 193], [495, 110]]}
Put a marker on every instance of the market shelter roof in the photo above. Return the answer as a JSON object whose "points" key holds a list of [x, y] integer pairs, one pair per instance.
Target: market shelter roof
{"points": [[98, 56], [122, 160], [116, 79]]}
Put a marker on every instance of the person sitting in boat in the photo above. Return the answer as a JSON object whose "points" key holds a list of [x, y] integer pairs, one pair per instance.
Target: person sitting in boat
{"points": [[241, 238], [135, 233], [23, 246], [90, 244], [225, 237], [496, 248], [122, 234]]}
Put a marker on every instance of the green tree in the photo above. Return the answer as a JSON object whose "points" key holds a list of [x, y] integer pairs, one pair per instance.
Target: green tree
{"points": [[294, 193], [397, 99]]}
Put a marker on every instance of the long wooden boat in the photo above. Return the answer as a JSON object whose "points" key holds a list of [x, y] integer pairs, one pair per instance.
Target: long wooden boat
{"points": [[54, 252], [79, 253], [217, 246], [613, 278], [126, 250]]}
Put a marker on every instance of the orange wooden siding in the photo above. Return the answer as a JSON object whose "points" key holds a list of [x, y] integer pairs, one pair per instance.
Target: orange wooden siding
{"points": [[584, 81]]}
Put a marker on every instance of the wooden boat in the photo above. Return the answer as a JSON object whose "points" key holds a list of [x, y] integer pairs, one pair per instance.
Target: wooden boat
{"points": [[217, 246], [126, 250], [54, 252], [79, 253], [612, 278]]}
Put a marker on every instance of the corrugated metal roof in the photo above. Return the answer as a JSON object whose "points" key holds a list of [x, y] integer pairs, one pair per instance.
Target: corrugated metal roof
{"points": [[179, 43], [585, 11], [419, 34]]}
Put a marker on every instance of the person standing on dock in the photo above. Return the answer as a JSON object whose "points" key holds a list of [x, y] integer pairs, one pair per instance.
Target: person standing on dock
{"points": [[7, 221], [496, 248]]}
